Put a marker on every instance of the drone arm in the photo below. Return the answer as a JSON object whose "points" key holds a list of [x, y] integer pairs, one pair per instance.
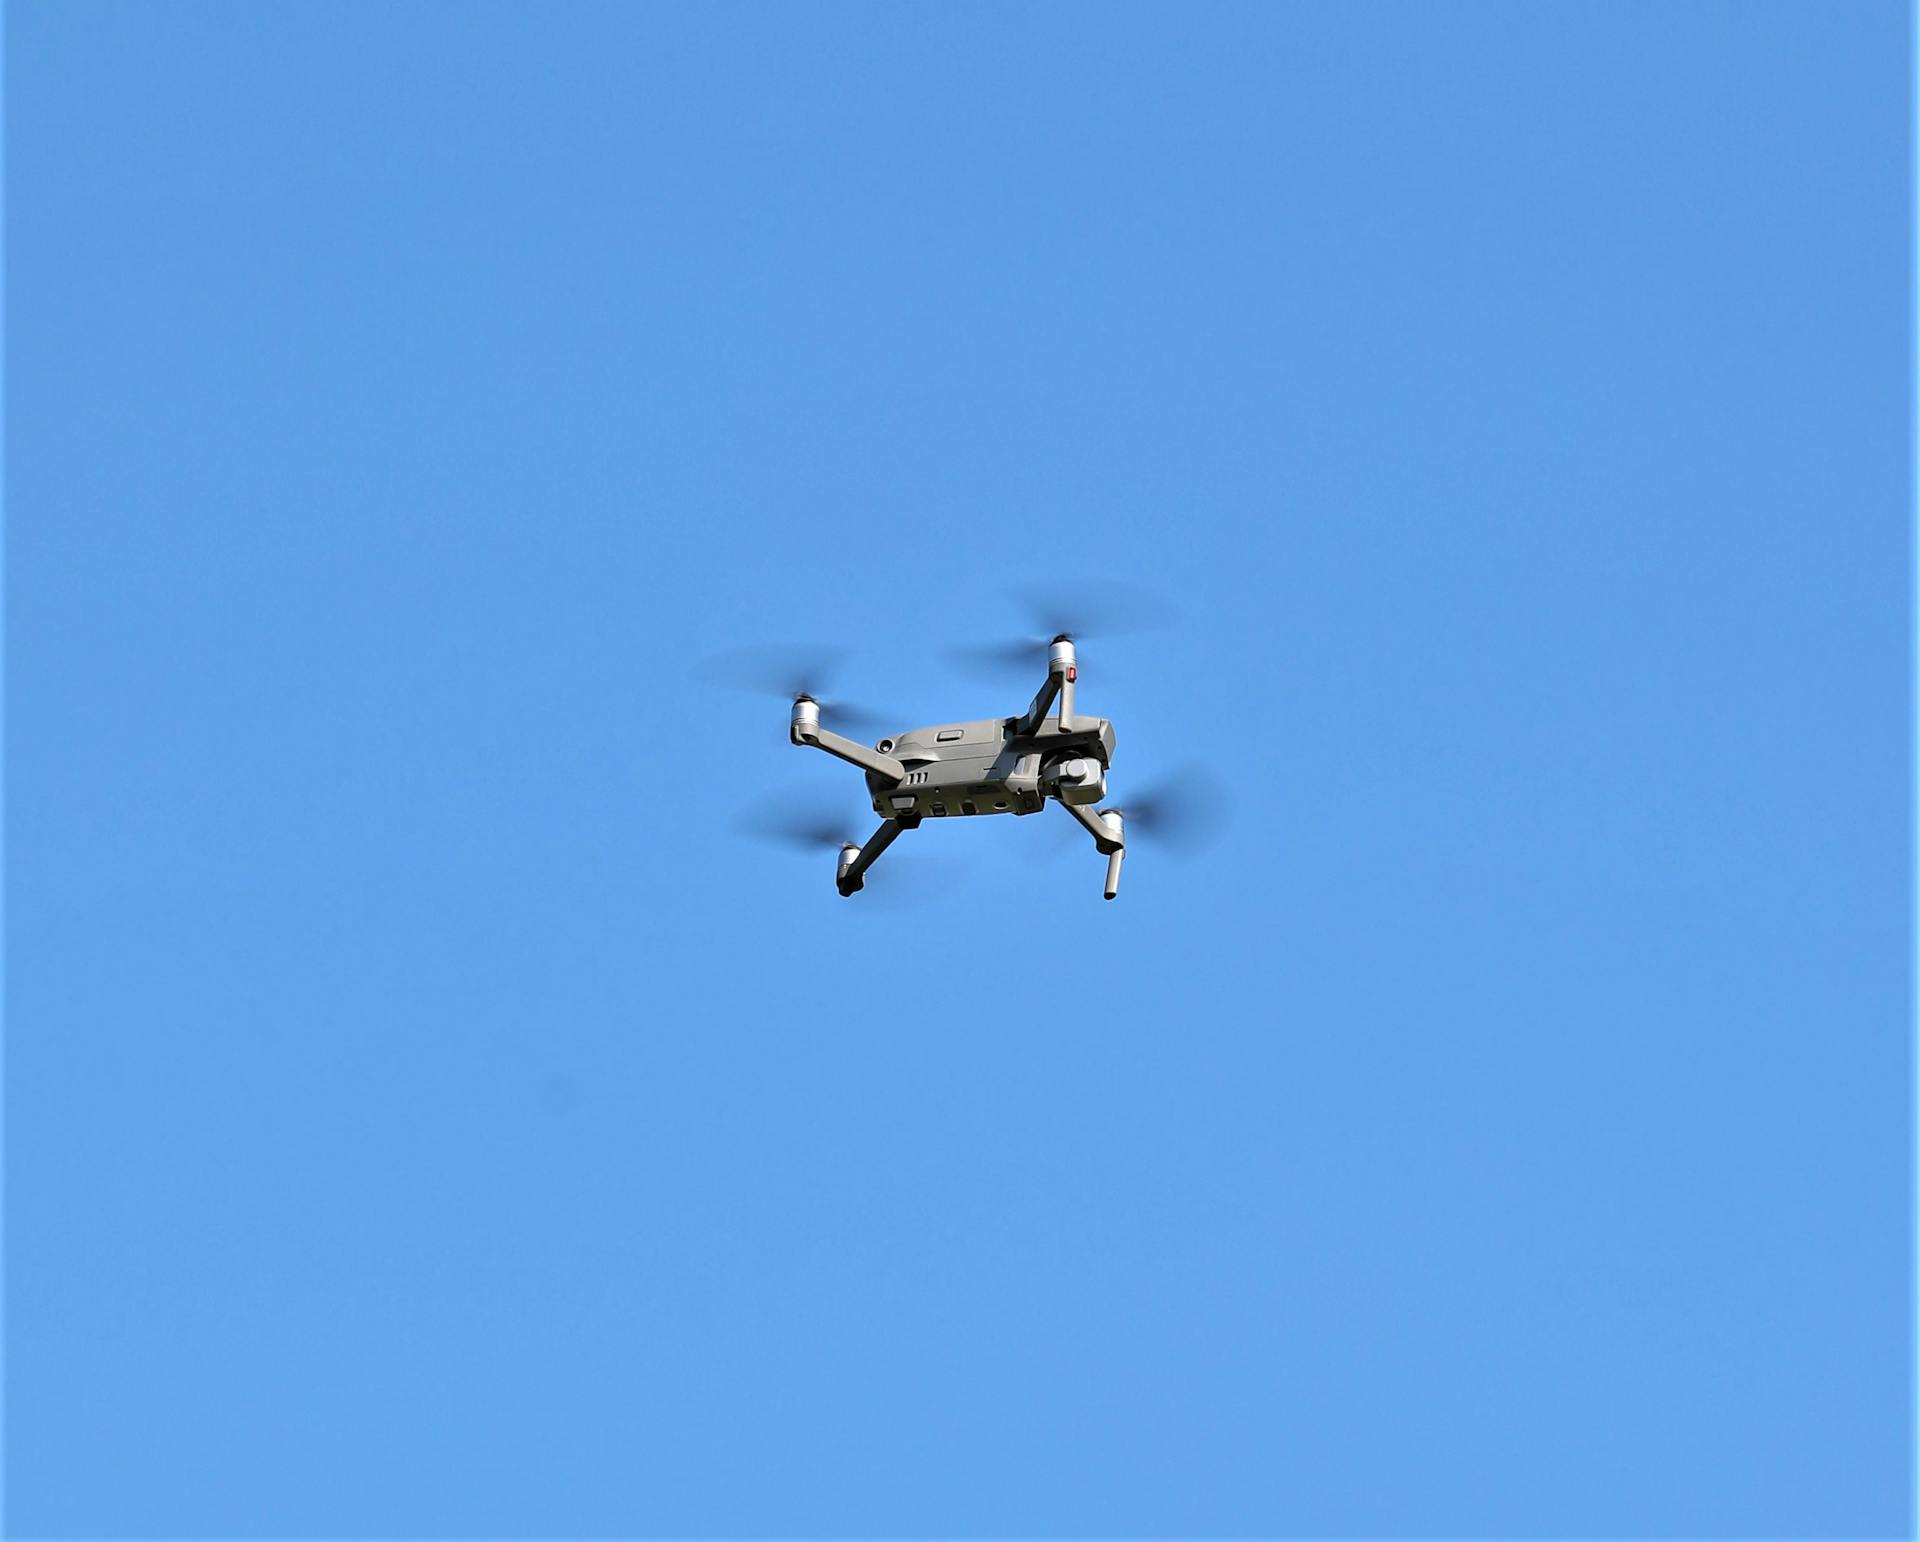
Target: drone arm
{"points": [[1037, 713], [885, 767], [1105, 837], [853, 869], [1108, 832]]}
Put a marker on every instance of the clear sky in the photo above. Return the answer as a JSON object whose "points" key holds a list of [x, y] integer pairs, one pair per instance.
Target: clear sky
{"points": [[428, 1116]]}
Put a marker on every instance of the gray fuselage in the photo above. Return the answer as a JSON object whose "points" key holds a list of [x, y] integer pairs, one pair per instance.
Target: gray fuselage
{"points": [[988, 767]]}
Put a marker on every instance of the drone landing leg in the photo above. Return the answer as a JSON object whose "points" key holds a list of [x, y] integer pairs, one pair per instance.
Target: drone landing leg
{"points": [[1107, 832], [1104, 838], [853, 869]]}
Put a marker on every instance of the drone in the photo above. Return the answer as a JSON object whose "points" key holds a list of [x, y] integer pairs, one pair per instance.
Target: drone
{"points": [[999, 765], [1010, 765], [1049, 753]]}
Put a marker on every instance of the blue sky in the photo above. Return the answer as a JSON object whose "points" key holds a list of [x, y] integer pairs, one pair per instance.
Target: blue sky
{"points": [[428, 1116]]}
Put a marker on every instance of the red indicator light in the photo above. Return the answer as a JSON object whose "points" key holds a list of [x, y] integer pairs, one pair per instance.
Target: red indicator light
{"points": [[1073, 673]]}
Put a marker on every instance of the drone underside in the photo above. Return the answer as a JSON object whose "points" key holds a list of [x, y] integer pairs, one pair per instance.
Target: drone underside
{"points": [[993, 766]]}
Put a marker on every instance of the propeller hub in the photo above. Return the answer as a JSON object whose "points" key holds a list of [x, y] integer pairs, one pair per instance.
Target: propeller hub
{"points": [[1060, 655]]}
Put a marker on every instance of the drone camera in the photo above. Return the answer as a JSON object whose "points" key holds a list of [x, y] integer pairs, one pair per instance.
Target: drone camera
{"points": [[1079, 779]]}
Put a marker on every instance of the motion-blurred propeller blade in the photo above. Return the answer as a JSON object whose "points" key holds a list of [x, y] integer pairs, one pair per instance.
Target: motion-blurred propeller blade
{"points": [[1028, 653], [905, 878], [787, 672], [1185, 811], [1097, 611], [1082, 611], [803, 822]]}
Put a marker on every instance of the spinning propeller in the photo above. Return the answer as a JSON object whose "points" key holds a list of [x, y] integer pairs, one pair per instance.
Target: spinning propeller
{"points": [[1181, 813], [791, 673], [808, 826], [1185, 811], [804, 821], [1080, 612]]}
